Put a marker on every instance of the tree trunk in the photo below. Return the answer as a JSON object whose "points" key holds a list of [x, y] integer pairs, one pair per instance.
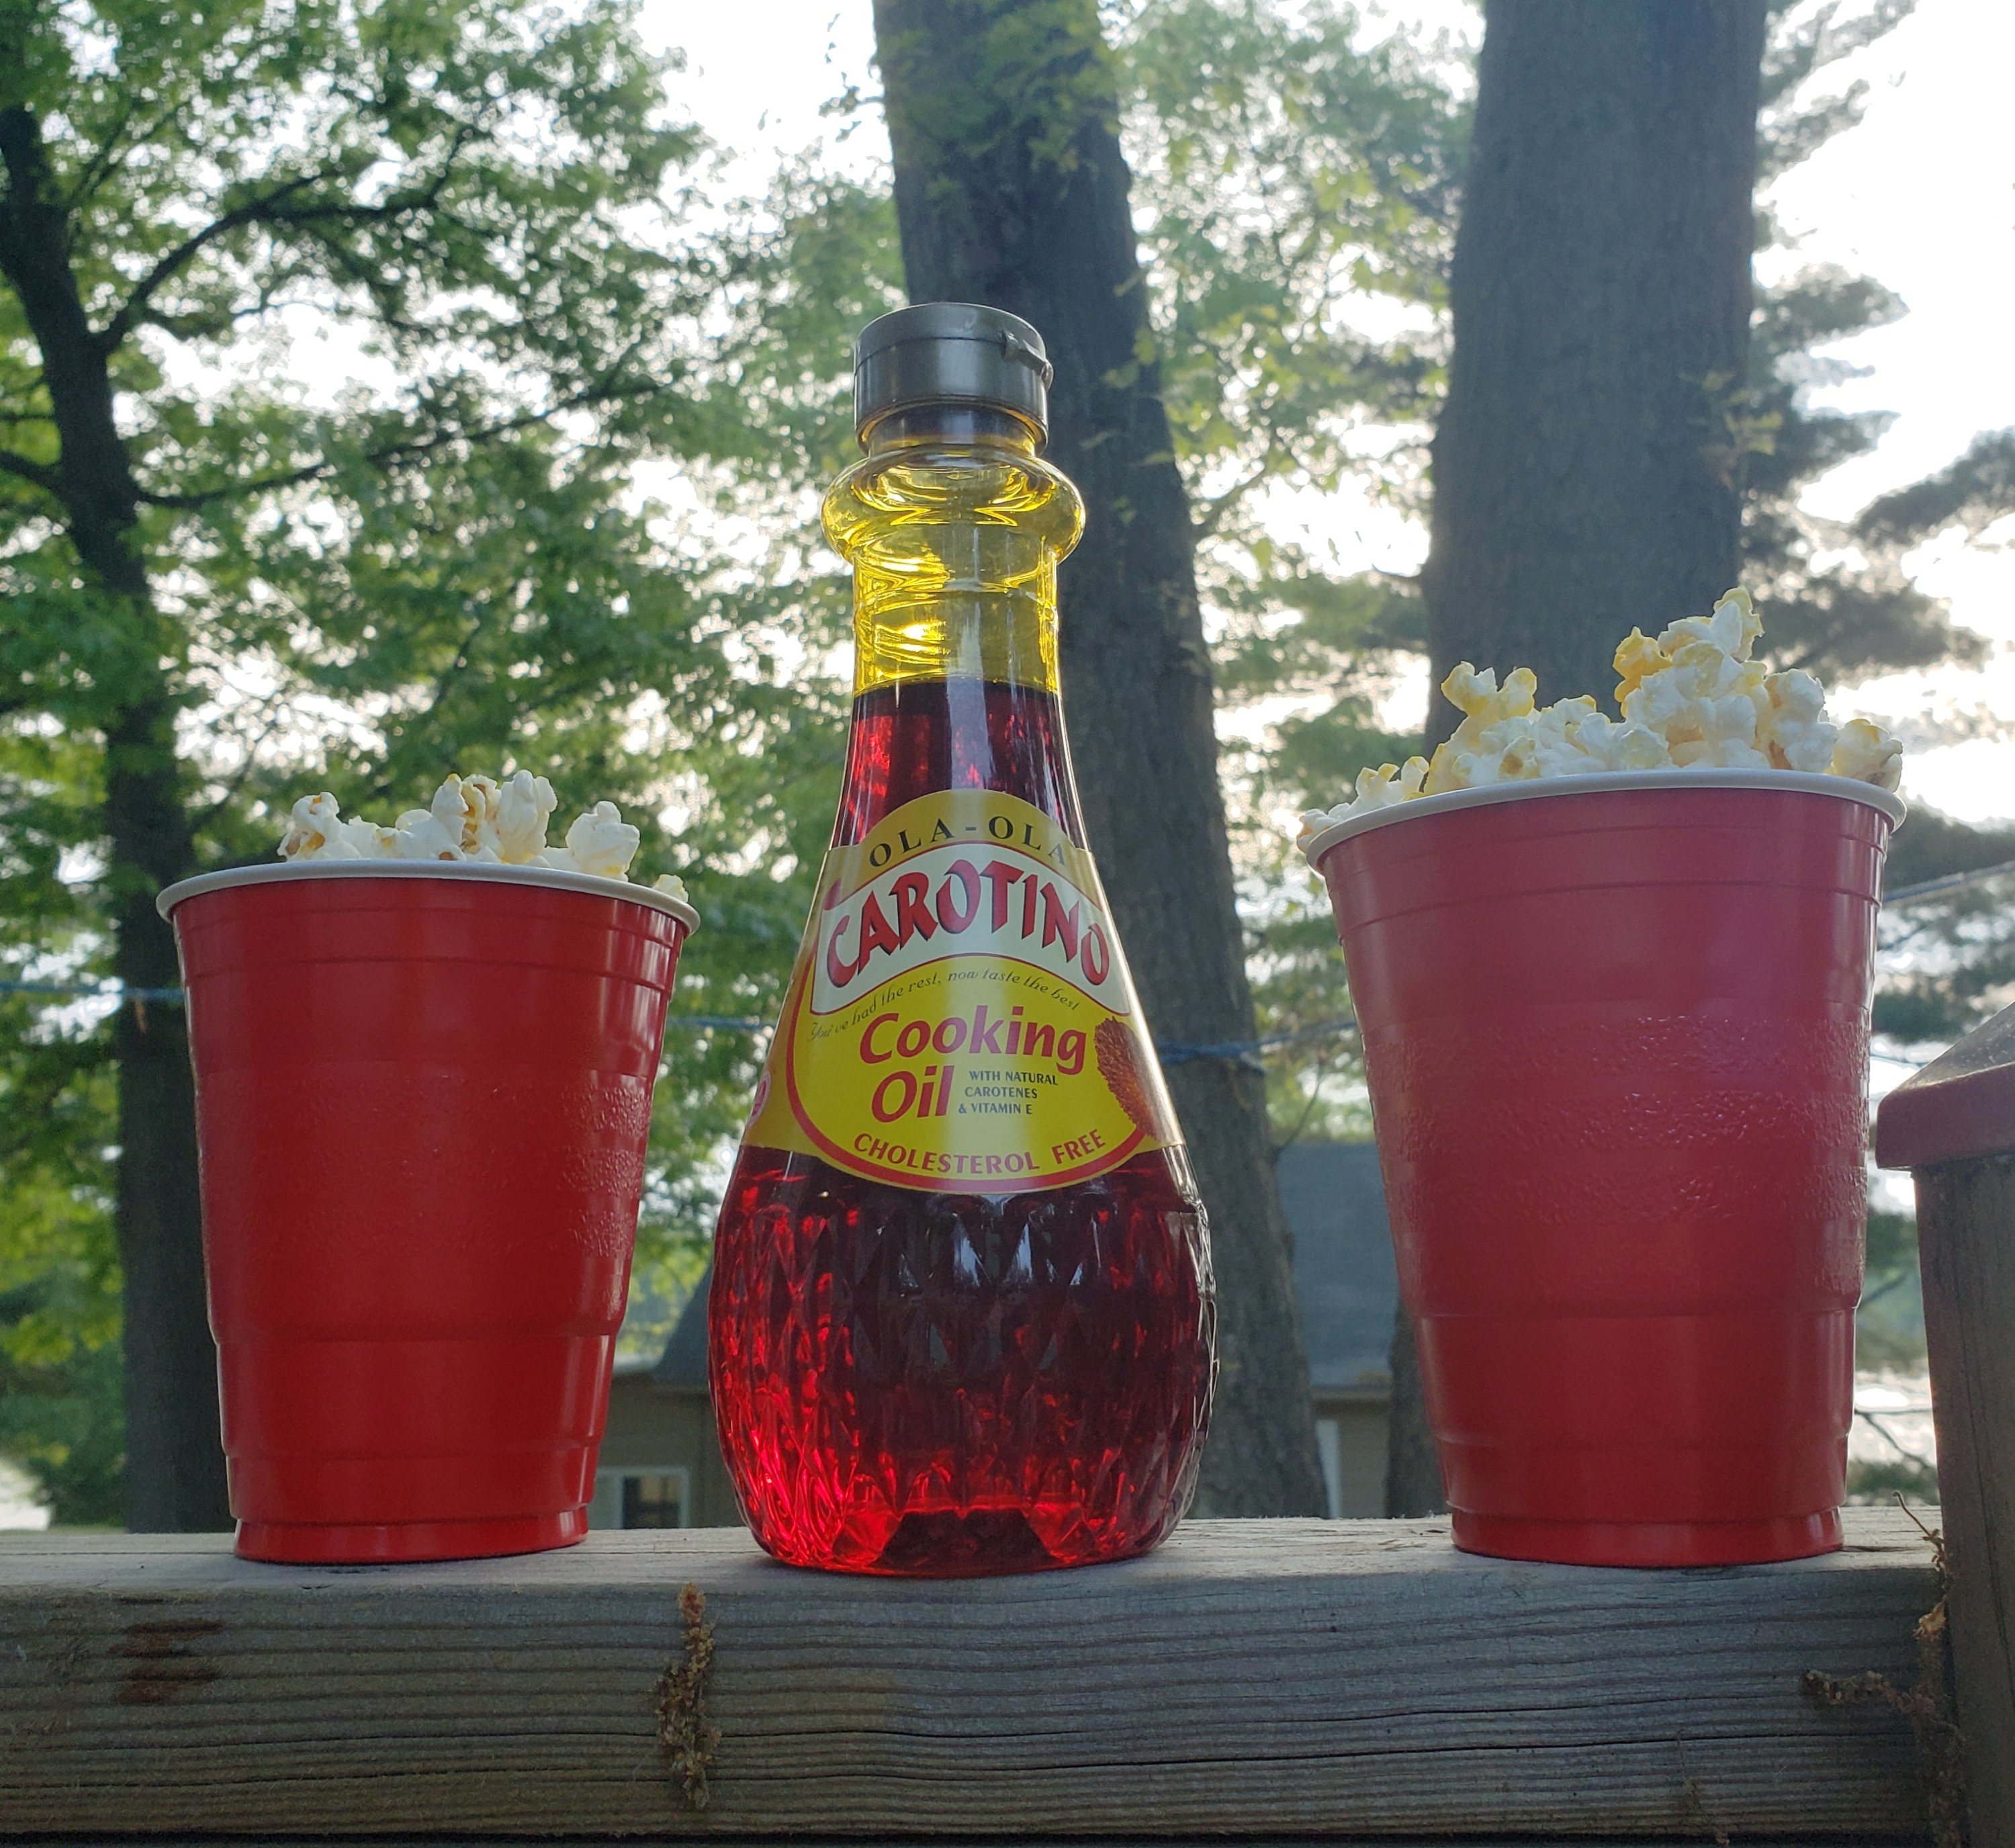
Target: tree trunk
{"points": [[1413, 1467], [1010, 190], [1587, 469], [175, 1450], [1588, 465], [174, 1457]]}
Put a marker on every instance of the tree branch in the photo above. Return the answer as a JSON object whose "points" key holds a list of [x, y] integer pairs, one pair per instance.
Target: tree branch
{"points": [[272, 208], [40, 473], [277, 705], [410, 451], [1212, 511], [111, 153], [173, 261]]}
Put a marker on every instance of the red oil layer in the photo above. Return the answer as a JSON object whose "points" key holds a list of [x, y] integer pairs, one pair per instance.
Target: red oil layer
{"points": [[949, 1384]]}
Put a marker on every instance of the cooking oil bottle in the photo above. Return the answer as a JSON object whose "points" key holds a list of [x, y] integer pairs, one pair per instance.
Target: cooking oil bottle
{"points": [[962, 1318]]}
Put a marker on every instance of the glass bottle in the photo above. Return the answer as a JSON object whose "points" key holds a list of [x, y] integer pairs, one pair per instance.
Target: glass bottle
{"points": [[962, 1318]]}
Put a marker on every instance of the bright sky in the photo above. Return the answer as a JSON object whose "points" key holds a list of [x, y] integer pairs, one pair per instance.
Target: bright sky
{"points": [[1921, 196]]}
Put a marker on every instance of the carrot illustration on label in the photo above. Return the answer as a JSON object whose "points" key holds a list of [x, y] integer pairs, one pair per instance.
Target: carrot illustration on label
{"points": [[1114, 1045]]}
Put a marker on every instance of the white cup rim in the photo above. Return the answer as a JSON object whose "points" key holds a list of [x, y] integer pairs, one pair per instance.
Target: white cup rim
{"points": [[481, 872], [1845, 788]]}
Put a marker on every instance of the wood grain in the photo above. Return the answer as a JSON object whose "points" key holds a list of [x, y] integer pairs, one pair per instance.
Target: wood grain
{"points": [[413, 1841], [1262, 1679], [1965, 1221]]}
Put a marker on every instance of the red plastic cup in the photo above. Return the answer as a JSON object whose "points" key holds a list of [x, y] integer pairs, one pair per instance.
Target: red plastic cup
{"points": [[423, 1091], [1616, 1033]]}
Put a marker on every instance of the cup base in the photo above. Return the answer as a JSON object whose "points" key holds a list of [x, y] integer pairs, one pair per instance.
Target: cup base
{"points": [[311, 1542], [1649, 1543]]}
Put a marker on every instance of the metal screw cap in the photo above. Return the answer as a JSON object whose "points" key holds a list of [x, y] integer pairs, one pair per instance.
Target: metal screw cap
{"points": [[950, 352]]}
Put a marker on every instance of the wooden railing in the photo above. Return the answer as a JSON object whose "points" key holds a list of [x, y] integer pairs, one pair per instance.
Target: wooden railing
{"points": [[1252, 1679], [1953, 1125]]}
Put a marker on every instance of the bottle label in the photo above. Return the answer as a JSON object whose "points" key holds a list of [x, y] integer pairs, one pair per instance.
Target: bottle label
{"points": [[961, 1019]]}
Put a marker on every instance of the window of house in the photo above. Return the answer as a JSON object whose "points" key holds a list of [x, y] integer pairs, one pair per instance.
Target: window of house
{"points": [[642, 1497]]}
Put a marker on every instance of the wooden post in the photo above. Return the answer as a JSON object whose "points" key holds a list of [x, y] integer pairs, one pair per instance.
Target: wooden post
{"points": [[1953, 1125]]}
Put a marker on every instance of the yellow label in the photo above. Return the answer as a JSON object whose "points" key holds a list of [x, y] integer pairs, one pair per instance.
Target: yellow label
{"points": [[961, 1019]]}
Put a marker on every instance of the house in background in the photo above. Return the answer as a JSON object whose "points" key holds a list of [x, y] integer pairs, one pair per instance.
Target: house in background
{"points": [[661, 1464], [1348, 1290]]}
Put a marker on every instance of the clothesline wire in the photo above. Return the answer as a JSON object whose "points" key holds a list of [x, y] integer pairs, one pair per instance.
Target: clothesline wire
{"points": [[1953, 881]]}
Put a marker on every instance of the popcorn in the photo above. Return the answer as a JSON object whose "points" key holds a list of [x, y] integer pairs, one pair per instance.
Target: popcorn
{"points": [[466, 811], [1637, 655], [421, 834], [1733, 629], [1691, 698], [1703, 700], [315, 829], [1607, 745], [602, 842], [1868, 753], [1792, 727], [474, 818], [523, 808]]}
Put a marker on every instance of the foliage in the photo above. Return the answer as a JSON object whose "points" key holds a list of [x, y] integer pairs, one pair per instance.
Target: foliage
{"points": [[60, 1414], [1287, 177], [399, 298], [1836, 597], [1889, 1326], [1297, 190], [65, 1424], [1972, 492], [1840, 612], [1877, 1484], [1949, 956]]}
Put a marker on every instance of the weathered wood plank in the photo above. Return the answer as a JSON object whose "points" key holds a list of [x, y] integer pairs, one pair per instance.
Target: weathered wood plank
{"points": [[1953, 1124], [410, 1841], [1966, 1219], [1264, 1679]]}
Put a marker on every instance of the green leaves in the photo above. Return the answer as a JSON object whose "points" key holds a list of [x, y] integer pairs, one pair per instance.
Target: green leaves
{"points": [[1285, 176], [1298, 197], [1974, 491], [1949, 957], [397, 299]]}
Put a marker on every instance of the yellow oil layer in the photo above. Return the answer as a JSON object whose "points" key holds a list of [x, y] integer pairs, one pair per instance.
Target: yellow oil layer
{"points": [[954, 548]]}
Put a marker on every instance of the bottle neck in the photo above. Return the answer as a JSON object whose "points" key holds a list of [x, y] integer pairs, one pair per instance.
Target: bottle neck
{"points": [[954, 526], [956, 425]]}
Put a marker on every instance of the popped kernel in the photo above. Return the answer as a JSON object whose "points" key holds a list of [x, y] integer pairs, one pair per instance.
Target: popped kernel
{"points": [[1868, 753], [315, 829], [1794, 728], [466, 809], [602, 842], [523, 808]]}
